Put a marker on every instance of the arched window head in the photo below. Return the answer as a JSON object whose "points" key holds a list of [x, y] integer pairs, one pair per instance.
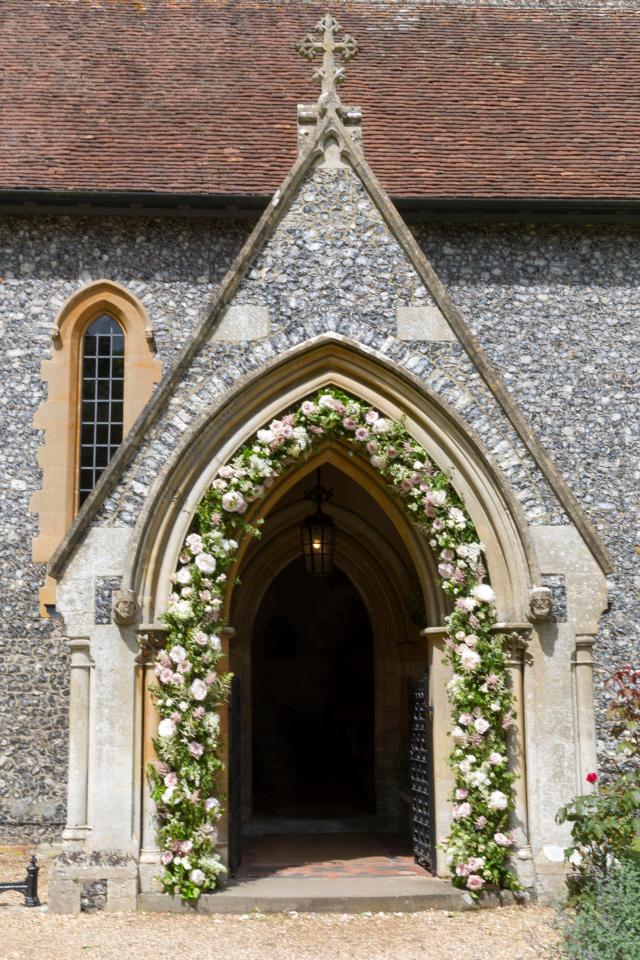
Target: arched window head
{"points": [[102, 400], [100, 375]]}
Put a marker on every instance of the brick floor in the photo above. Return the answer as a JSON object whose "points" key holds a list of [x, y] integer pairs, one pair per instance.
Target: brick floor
{"points": [[327, 855]]}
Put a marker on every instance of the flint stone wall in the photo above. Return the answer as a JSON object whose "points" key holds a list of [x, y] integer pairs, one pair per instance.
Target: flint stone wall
{"points": [[555, 307]]}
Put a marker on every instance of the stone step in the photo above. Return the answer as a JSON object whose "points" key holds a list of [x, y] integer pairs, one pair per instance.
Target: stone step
{"points": [[325, 895]]}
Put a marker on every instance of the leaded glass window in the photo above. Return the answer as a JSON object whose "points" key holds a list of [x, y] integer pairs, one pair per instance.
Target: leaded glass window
{"points": [[101, 408]]}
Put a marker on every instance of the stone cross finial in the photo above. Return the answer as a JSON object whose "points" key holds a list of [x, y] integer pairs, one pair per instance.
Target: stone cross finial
{"points": [[330, 74]]}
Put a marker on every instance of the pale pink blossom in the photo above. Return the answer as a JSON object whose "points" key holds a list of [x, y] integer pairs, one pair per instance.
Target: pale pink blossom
{"points": [[465, 603], [502, 839], [474, 882], [461, 811], [196, 749], [469, 659]]}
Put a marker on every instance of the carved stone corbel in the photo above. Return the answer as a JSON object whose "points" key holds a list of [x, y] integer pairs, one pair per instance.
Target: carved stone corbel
{"points": [[540, 604], [126, 609]]}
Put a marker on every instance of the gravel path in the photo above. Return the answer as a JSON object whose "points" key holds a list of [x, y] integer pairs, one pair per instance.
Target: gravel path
{"points": [[512, 933]]}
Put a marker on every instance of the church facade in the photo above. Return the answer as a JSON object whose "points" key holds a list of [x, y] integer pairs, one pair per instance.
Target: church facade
{"points": [[143, 353]]}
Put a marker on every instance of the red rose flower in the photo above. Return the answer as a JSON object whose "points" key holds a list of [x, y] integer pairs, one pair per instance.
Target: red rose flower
{"points": [[592, 777]]}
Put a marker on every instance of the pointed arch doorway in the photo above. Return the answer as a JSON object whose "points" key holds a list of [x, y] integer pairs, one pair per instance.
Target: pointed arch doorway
{"points": [[320, 743]]}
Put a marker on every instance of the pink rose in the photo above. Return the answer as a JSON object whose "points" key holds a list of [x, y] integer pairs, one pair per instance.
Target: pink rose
{"points": [[474, 882], [166, 858], [502, 839], [481, 724], [461, 810], [196, 749]]}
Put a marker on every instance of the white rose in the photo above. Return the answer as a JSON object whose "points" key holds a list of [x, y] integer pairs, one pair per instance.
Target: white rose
{"points": [[331, 403], [381, 426], [181, 609], [498, 800], [481, 724], [234, 502], [484, 593], [199, 689], [469, 659], [477, 778], [166, 727], [205, 563], [378, 462], [178, 654], [437, 497], [197, 877], [495, 759], [215, 643], [183, 575], [458, 735]]}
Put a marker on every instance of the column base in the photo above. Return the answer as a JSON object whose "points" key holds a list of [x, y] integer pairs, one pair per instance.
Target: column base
{"points": [[75, 837], [84, 882]]}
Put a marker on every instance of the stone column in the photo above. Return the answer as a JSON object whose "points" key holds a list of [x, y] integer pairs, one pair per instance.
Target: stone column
{"points": [[77, 827], [439, 675], [585, 711], [151, 638], [226, 637], [518, 639]]}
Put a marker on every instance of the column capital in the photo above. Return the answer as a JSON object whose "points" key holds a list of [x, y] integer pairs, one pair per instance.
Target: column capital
{"points": [[80, 652], [151, 638]]}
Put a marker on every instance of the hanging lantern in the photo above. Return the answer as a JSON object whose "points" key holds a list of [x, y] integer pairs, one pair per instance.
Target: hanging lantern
{"points": [[318, 534]]}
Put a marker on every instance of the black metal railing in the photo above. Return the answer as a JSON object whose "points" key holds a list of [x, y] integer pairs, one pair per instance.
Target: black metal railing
{"points": [[27, 887]]}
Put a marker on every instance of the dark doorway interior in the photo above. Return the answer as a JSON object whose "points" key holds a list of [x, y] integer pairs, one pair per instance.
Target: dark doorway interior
{"points": [[313, 699]]}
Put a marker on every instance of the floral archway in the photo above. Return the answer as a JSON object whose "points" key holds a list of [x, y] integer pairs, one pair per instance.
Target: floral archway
{"points": [[191, 688]]}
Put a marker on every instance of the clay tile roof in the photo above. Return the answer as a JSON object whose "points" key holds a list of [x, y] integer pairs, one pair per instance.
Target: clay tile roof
{"points": [[199, 96]]}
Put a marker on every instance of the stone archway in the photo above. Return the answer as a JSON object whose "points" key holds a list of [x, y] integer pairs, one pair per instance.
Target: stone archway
{"points": [[557, 674]]}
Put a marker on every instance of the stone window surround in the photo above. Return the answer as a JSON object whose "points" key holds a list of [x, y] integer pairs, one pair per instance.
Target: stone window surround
{"points": [[58, 415]]}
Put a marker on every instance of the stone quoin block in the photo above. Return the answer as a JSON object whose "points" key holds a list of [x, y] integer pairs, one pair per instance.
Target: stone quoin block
{"points": [[422, 323], [243, 321]]}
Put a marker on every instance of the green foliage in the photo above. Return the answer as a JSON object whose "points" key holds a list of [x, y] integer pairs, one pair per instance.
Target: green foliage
{"points": [[605, 823], [604, 828], [606, 925]]}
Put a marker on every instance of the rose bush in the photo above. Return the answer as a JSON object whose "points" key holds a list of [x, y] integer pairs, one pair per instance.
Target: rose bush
{"points": [[191, 688]]}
